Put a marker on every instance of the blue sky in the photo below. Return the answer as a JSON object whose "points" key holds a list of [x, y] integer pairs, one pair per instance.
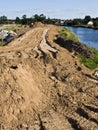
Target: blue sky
{"points": [[64, 9]]}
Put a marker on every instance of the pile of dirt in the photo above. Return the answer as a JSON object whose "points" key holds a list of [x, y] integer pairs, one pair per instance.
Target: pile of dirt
{"points": [[40, 91], [38, 24], [22, 30], [77, 47]]}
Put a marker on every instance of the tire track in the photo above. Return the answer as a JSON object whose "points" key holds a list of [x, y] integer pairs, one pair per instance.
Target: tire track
{"points": [[43, 48]]}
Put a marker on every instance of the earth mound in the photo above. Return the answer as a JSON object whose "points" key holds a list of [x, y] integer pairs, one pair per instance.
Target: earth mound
{"points": [[43, 86]]}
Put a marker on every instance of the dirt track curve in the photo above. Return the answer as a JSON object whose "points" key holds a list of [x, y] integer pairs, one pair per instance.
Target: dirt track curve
{"points": [[44, 87]]}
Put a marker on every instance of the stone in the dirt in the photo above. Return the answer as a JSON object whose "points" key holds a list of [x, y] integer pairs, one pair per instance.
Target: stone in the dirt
{"points": [[96, 73]]}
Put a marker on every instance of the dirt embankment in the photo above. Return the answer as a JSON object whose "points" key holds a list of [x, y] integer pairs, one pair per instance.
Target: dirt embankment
{"points": [[44, 87]]}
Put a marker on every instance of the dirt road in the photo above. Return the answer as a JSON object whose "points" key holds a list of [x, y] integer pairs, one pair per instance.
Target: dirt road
{"points": [[44, 87]]}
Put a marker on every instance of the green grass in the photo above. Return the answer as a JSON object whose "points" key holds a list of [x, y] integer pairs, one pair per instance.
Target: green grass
{"points": [[90, 63], [66, 33], [11, 28]]}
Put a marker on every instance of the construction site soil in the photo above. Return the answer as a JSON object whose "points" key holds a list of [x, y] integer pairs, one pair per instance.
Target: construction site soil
{"points": [[43, 86]]}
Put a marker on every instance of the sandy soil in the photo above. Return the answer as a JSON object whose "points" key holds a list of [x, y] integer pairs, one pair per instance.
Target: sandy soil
{"points": [[44, 87]]}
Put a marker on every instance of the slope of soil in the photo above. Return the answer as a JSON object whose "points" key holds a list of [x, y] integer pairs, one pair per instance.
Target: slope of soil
{"points": [[44, 87]]}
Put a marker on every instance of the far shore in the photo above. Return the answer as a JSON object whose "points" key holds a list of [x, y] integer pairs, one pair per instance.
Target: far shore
{"points": [[82, 26]]}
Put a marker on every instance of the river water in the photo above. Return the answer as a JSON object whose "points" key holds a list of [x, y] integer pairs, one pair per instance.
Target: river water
{"points": [[87, 36]]}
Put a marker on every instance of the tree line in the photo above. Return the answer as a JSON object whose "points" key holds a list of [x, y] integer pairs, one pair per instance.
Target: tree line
{"points": [[84, 21], [24, 20]]}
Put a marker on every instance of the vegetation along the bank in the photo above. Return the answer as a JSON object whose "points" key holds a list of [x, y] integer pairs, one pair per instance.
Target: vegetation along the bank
{"points": [[66, 33], [90, 63]]}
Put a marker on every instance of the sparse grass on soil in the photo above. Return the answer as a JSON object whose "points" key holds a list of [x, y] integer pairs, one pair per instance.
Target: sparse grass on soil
{"points": [[12, 28], [3, 44], [66, 33], [90, 63]]}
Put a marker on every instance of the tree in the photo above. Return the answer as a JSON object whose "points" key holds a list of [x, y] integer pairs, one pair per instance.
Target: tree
{"points": [[77, 21], [17, 20], [39, 18], [96, 23], [3, 19], [42, 17], [87, 19], [29, 21], [24, 16], [24, 20], [36, 17]]}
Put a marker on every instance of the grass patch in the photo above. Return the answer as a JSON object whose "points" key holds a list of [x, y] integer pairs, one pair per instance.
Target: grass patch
{"points": [[3, 44], [11, 28], [90, 63], [66, 33]]}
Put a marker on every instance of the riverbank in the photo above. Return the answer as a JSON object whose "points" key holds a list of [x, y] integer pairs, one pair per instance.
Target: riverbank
{"points": [[87, 55], [87, 36]]}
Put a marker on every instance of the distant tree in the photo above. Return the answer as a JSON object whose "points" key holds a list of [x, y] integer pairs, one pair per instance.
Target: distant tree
{"points": [[48, 21], [17, 20], [42, 17], [77, 21], [29, 21], [70, 23], [36, 17], [24, 16], [24, 20], [97, 18], [39, 18], [87, 19], [96, 23], [3, 19]]}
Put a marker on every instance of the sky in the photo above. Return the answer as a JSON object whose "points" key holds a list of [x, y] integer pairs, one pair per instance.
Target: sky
{"points": [[63, 9]]}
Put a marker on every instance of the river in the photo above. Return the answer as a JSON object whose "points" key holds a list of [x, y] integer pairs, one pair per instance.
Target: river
{"points": [[87, 36]]}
